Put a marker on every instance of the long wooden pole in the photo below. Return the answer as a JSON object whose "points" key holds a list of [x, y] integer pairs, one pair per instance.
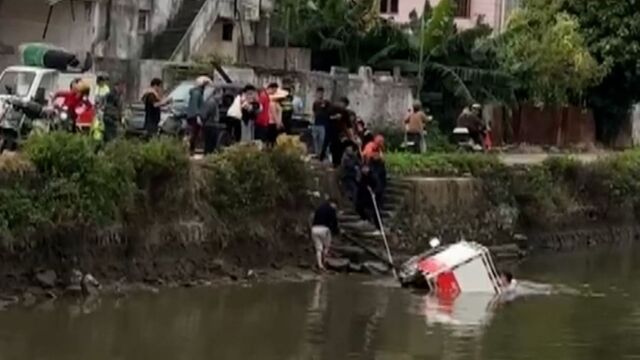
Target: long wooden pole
{"points": [[287, 18], [384, 235]]}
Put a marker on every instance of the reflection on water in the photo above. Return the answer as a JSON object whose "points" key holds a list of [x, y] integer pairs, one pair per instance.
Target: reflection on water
{"points": [[347, 318]]}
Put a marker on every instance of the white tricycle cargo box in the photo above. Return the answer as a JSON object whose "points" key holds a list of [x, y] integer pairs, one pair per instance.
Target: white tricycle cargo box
{"points": [[463, 267]]}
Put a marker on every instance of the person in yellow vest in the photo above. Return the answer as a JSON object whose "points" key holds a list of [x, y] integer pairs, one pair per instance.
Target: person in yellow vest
{"points": [[102, 90]]}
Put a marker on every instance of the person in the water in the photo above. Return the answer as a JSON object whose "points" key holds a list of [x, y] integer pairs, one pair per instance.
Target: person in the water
{"points": [[507, 281]]}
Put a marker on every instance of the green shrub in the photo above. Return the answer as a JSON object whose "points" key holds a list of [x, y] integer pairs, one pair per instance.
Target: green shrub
{"points": [[242, 177], [78, 184], [564, 168], [437, 142], [20, 212], [245, 179], [615, 179], [63, 183], [453, 164], [150, 162]]}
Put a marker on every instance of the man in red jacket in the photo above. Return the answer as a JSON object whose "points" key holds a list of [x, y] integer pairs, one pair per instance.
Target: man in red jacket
{"points": [[262, 121], [76, 100]]}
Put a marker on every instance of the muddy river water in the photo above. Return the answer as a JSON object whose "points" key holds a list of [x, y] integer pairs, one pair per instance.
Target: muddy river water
{"points": [[349, 318]]}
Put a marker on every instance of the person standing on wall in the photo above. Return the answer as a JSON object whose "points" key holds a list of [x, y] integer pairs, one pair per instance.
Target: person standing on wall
{"points": [[102, 90], [264, 117], [287, 110], [113, 109], [246, 109], [211, 119], [195, 111], [321, 109], [275, 118], [415, 124], [153, 100]]}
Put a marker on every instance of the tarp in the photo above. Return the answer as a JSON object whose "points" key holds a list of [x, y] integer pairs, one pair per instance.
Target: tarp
{"points": [[52, 57]]}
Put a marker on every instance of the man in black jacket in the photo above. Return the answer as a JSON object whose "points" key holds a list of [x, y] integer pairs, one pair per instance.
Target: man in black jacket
{"points": [[325, 224], [211, 119]]}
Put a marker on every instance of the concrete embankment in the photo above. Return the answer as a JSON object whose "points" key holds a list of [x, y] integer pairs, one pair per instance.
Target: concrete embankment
{"points": [[453, 208]]}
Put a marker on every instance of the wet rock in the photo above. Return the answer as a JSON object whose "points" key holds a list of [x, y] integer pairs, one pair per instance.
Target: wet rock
{"points": [[337, 264], [73, 290], [90, 285], [47, 305], [250, 275], [376, 267], [140, 287], [75, 277], [357, 268], [189, 284], [46, 278], [8, 300], [28, 299], [204, 283]]}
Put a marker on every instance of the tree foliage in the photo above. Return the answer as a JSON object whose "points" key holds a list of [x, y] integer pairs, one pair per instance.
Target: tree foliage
{"points": [[611, 29], [344, 30], [544, 49]]}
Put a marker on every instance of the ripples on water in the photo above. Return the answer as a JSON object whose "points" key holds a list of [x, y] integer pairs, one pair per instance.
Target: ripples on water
{"points": [[592, 315]]}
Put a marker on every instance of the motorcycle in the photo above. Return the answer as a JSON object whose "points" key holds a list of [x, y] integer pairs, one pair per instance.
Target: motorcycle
{"points": [[461, 137], [18, 118]]}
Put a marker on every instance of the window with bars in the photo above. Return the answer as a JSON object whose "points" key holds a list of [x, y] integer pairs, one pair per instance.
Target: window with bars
{"points": [[389, 6], [143, 21], [463, 8]]}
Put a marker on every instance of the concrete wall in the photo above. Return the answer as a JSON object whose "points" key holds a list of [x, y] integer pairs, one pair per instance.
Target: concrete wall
{"points": [[273, 58], [380, 100], [24, 21], [162, 11], [451, 209], [213, 43]]}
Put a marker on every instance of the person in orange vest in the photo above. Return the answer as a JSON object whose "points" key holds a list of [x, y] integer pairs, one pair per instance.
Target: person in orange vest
{"points": [[373, 157]]}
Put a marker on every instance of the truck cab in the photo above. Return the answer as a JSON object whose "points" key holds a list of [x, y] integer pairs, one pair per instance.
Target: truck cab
{"points": [[38, 84]]}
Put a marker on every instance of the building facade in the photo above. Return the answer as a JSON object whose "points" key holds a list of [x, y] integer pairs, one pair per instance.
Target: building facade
{"points": [[467, 13], [130, 29]]}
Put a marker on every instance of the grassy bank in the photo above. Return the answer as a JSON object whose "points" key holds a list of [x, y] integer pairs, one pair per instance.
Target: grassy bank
{"points": [[62, 186]]}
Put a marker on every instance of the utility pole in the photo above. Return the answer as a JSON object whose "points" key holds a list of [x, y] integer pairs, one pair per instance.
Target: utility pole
{"points": [[287, 19], [421, 59]]}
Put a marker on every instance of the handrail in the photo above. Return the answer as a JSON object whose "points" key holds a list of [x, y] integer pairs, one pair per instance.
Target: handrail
{"points": [[188, 33]]}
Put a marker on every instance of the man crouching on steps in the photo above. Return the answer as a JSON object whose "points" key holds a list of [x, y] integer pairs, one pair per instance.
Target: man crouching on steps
{"points": [[325, 224]]}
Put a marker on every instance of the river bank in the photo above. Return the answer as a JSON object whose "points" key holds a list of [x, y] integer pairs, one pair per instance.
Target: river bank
{"points": [[143, 213], [541, 205]]}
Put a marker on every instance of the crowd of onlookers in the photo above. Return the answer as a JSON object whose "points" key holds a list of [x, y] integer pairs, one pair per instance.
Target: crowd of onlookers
{"points": [[254, 114]]}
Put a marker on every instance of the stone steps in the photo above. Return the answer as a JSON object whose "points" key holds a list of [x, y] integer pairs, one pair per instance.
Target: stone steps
{"points": [[165, 43], [361, 248]]}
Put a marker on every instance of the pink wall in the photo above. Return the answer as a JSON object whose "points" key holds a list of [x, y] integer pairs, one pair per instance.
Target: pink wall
{"points": [[491, 9]]}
